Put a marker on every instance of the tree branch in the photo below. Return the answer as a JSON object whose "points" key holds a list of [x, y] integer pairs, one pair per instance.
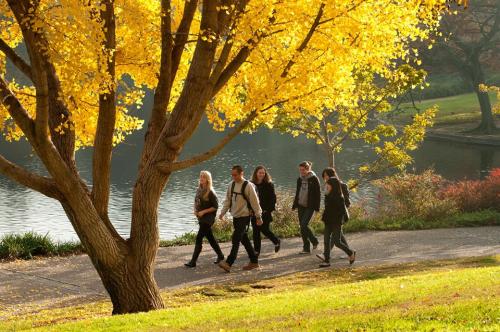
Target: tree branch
{"points": [[15, 58], [303, 45], [16, 111], [238, 60], [175, 166], [42, 184], [103, 142], [182, 35]]}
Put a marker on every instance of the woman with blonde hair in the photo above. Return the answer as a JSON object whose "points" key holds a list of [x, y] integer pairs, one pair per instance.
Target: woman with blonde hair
{"points": [[205, 209]]}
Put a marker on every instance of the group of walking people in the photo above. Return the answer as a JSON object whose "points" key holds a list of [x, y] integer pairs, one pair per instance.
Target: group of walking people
{"points": [[252, 202]]}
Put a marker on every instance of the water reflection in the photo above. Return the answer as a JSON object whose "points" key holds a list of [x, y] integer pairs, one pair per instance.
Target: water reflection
{"points": [[24, 210]]}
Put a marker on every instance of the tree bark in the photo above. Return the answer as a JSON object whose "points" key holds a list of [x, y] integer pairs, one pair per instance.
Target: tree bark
{"points": [[487, 124], [131, 287], [331, 157]]}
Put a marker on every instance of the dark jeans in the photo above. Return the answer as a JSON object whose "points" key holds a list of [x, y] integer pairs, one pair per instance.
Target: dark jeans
{"points": [[342, 238], [264, 229], [333, 233], [205, 231], [305, 215], [240, 235]]}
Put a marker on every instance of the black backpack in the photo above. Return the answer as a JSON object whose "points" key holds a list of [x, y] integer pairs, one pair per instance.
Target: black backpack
{"points": [[242, 193]]}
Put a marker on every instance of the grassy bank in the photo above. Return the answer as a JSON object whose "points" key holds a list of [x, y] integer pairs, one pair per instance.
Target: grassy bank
{"points": [[29, 245], [435, 295], [452, 110]]}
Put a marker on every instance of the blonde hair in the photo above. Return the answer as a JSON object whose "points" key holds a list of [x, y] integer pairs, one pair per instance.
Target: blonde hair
{"points": [[208, 176]]}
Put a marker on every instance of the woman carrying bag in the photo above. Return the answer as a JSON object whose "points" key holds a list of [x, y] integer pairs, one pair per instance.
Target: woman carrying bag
{"points": [[205, 209], [333, 216]]}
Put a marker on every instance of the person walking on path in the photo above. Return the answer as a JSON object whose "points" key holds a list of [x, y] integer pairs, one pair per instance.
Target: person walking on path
{"points": [[205, 209], [333, 217], [267, 198], [243, 203], [328, 173], [307, 201]]}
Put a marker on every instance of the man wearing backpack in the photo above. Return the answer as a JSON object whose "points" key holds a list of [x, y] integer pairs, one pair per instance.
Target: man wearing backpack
{"points": [[243, 203]]}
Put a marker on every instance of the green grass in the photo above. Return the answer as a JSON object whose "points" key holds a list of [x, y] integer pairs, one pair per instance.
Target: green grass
{"points": [[456, 109], [28, 245], [451, 84], [450, 295]]}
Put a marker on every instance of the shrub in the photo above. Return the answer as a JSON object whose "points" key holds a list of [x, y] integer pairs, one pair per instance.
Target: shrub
{"points": [[30, 244], [474, 195], [414, 195]]}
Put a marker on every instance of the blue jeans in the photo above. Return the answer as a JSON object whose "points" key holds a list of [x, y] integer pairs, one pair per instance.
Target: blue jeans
{"points": [[305, 215]]}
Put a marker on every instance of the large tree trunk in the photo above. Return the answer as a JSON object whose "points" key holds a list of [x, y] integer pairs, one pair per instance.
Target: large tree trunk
{"points": [[487, 125], [131, 287], [129, 277]]}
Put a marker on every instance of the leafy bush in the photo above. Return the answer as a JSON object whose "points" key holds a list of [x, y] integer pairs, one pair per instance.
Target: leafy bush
{"points": [[474, 195], [414, 195]]}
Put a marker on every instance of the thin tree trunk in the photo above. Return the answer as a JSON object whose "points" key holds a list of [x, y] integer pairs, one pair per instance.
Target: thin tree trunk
{"points": [[330, 155]]}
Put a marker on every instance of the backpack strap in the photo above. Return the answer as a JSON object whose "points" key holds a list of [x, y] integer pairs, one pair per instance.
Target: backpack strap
{"points": [[243, 188], [231, 197]]}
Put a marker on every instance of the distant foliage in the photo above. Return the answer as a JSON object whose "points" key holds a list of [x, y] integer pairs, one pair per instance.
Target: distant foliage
{"points": [[474, 195]]}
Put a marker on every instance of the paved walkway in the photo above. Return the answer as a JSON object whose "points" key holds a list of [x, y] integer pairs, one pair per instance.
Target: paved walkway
{"points": [[59, 281]]}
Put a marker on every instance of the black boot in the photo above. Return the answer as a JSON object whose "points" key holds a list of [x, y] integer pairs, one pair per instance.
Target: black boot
{"points": [[190, 264]]}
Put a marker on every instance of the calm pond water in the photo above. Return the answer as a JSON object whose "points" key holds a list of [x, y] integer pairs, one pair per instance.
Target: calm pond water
{"points": [[24, 210]]}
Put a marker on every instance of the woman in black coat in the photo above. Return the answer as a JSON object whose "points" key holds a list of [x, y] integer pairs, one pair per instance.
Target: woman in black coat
{"points": [[267, 199], [333, 217], [205, 209]]}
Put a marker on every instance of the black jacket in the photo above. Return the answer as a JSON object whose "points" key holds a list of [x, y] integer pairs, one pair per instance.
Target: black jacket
{"points": [[334, 209], [345, 191], [313, 193], [267, 196], [212, 201]]}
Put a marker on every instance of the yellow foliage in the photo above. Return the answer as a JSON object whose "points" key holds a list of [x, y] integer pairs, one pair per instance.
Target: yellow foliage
{"points": [[355, 37]]}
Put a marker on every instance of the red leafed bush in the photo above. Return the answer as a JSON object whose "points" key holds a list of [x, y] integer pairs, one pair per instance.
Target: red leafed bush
{"points": [[474, 195]]}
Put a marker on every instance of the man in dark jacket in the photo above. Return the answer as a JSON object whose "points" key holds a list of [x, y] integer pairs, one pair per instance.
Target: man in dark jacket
{"points": [[307, 201]]}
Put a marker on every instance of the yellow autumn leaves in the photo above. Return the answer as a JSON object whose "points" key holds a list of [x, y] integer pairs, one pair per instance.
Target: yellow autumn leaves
{"points": [[352, 37]]}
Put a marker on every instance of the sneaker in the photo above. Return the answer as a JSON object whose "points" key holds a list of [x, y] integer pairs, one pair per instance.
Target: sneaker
{"points": [[305, 252], [225, 266], [190, 264], [251, 266], [352, 259], [324, 264], [277, 247], [218, 260], [321, 257]]}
